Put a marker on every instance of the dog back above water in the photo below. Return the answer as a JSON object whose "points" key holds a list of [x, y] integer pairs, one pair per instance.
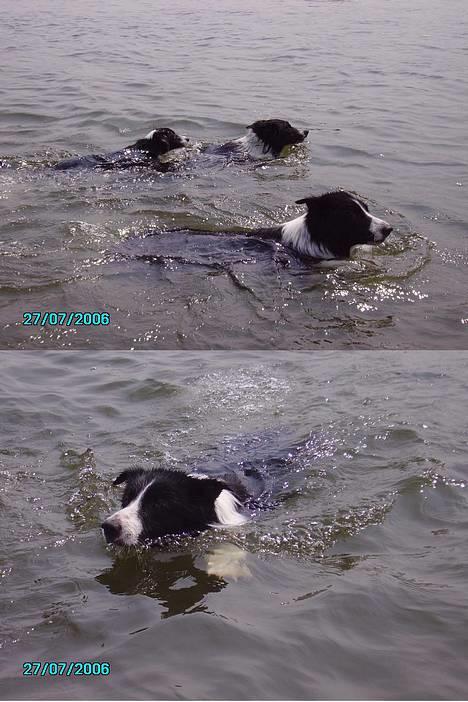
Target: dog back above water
{"points": [[144, 152], [333, 224]]}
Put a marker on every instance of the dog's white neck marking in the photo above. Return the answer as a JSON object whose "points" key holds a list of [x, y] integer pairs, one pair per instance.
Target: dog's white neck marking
{"points": [[296, 235], [129, 521], [253, 146], [226, 508], [150, 134], [377, 226]]}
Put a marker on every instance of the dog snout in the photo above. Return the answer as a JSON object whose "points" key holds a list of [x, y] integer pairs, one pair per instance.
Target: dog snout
{"points": [[111, 531]]}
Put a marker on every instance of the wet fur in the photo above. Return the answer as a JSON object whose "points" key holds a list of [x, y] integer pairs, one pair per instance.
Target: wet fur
{"points": [[144, 152], [332, 224], [156, 503], [265, 139]]}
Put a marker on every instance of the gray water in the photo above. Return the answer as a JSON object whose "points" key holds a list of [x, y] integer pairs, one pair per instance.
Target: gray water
{"points": [[381, 85], [352, 584], [349, 580]]}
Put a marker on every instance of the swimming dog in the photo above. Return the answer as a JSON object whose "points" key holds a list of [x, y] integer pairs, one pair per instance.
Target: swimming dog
{"points": [[265, 139], [144, 152], [160, 502], [333, 223]]}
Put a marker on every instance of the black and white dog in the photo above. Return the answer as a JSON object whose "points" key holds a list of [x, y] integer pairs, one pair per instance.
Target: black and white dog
{"points": [[265, 139], [144, 152], [157, 503], [333, 224]]}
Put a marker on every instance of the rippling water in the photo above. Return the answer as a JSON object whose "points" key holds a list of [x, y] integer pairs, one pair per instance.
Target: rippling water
{"points": [[351, 583], [382, 87]]}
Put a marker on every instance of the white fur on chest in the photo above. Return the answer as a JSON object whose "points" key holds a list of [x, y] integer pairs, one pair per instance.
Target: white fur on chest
{"points": [[226, 508], [295, 234], [253, 146]]}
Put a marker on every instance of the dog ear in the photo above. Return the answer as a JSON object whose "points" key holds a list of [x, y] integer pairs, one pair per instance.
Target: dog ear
{"points": [[256, 125], [206, 487], [126, 474], [122, 478], [306, 201]]}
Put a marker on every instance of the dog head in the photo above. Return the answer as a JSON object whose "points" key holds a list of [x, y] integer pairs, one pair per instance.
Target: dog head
{"points": [[338, 220], [276, 134], [156, 503], [160, 141]]}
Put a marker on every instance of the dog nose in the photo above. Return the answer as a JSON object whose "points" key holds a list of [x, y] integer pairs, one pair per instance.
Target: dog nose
{"points": [[387, 230], [111, 531], [305, 132]]}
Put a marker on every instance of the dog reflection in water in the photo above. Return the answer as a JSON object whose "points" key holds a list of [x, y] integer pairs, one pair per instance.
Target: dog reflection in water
{"points": [[228, 561], [180, 582]]}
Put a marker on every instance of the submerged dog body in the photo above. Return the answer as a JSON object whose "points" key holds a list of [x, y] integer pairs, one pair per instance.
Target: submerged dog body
{"points": [[333, 224], [156, 503], [265, 139], [144, 152]]}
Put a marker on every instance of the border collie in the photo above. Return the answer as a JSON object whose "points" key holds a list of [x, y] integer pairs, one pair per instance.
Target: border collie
{"points": [[333, 223], [160, 502], [144, 152], [265, 139]]}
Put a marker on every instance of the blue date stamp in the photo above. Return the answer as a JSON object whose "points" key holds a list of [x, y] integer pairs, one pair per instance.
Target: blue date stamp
{"points": [[65, 668], [66, 319]]}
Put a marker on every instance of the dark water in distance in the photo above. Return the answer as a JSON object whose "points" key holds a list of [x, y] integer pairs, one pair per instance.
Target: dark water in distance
{"points": [[353, 585], [381, 85]]}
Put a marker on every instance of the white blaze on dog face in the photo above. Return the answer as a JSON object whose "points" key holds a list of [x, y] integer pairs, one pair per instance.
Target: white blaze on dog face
{"points": [[333, 224], [157, 503], [127, 522], [378, 227]]}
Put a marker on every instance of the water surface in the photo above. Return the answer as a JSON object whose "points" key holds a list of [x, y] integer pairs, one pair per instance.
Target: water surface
{"points": [[350, 583], [382, 87]]}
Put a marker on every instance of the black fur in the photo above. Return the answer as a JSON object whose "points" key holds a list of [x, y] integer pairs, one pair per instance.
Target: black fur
{"points": [[335, 223], [276, 134], [144, 152], [162, 141], [174, 502]]}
